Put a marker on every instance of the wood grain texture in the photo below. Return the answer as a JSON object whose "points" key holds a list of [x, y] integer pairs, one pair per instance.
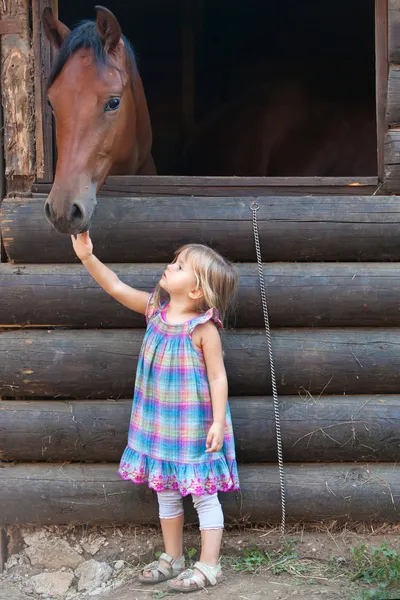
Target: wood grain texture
{"points": [[40, 494], [90, 364], [394, 31], [330, 429], [393, 97], [299, 295], [17, 92], [149, 229]]}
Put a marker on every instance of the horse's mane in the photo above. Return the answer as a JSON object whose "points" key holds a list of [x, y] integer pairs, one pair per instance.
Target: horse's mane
{"points": [[85, 35]]}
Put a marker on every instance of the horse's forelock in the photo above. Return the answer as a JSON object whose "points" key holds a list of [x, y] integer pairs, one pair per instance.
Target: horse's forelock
{"points": [[85, 35]]}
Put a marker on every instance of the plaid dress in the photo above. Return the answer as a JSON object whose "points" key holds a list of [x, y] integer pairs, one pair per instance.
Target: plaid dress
{"points": [[172, 413]]}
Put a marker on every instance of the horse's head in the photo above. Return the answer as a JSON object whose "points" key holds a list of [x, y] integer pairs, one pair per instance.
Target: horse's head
{"points": [[93, 90]]}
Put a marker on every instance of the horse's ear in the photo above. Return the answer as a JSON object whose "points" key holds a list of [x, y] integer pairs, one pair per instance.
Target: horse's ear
{"points": [[108, 28], [55, 31]]}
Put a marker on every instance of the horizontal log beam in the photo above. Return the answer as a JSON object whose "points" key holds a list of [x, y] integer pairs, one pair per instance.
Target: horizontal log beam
{"points": [[101, 363], [57, 494], [164, 185], [299, 295], [333, 429], [349, 228]]}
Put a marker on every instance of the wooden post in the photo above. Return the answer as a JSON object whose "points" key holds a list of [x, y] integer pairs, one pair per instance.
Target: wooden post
{"points": [[381, 77], [3, 255], [17, 95], [44, 119]]}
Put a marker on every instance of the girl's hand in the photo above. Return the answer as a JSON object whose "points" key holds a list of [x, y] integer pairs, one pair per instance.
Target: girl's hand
{"points": [[82, 245], [215, 437]]}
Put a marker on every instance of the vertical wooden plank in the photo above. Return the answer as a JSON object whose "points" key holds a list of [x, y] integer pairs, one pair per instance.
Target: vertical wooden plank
{"points": [[381, 76], [394, 31], [188, 68], [44, 120], [3, 256], [17, 93]]}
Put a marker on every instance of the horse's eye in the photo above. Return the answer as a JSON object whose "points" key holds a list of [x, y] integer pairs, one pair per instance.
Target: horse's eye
{"points": [[112, 104]]}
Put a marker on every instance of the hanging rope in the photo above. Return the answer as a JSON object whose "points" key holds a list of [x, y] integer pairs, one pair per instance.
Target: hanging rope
{"points": [[254, 208]]}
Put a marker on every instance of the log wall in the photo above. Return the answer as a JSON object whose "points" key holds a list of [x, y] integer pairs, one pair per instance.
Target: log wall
{"points": [[68, 373]]}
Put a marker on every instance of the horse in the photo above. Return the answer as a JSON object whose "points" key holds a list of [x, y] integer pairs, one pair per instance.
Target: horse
{"points": [[101, 116], [286, 128]]}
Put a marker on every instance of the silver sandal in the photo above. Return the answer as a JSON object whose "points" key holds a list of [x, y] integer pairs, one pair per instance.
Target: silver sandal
{"points": [[212, 576], [160, 572]]}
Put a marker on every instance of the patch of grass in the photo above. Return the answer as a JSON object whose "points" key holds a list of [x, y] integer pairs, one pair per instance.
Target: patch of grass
{"points": [[380, 593], [253, 559], [375, 565], [191, 553]]}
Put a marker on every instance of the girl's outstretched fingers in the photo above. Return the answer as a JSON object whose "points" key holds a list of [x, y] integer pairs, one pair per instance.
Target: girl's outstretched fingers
{"points": [[82, 245]]}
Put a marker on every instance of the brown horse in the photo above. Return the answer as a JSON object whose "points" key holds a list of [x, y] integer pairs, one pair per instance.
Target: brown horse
{"points": [[100, 110], [286, 128]]}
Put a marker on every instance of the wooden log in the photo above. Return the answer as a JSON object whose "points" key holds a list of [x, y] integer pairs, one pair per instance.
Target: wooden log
{"points": [[41, 494], [333, 429], [163, 185], [393, 97], [150, 229], [87, 364], [394, 31], [17, 91], [299, 295]]}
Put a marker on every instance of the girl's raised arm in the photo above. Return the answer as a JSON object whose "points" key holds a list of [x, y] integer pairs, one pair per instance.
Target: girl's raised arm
{"points": [[128, 296]]}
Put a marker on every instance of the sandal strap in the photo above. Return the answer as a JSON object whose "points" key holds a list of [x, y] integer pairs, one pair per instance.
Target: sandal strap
{"points": [[189, 576], [168, 558], [157, 569], [160, 569], [199, 581], [209, 573]]}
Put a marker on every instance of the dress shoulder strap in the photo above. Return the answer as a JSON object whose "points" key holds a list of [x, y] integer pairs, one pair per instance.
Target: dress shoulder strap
{"points": [[151, 309], [211, 315]]}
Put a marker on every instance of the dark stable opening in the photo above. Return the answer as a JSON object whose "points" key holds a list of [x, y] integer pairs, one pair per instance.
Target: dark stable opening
{"points": [[273, 89]]}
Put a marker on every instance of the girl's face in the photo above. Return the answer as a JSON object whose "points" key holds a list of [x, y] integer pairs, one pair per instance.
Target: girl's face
{"points": [[179, 278]]}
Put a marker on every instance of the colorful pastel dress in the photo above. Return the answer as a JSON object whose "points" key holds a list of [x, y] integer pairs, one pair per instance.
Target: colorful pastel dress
{"points": [[172, 413]]}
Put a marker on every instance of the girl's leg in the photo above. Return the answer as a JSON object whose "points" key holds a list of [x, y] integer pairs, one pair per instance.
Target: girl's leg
{"points": [[210, 546], [172, 530], [171, 518], [211, 520]]}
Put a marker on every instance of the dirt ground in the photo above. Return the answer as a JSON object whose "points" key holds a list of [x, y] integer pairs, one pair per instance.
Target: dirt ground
{"points": [[315, 562]]}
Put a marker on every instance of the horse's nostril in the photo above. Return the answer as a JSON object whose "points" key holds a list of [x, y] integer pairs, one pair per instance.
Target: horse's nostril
{"points": [[76, 213], [47, 210]]}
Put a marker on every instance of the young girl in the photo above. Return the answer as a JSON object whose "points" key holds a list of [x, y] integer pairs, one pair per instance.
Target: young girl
{"points": [[180, 437]]}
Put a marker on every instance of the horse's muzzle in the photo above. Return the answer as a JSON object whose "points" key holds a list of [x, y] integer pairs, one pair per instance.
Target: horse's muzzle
{"points": [[73, 220]]}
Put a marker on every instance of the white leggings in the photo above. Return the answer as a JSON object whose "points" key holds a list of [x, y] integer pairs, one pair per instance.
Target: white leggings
{"points": [[208, 508]]}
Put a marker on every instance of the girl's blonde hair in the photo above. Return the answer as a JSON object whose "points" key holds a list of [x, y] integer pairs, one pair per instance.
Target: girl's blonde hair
{"points": [[215, 276]]}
